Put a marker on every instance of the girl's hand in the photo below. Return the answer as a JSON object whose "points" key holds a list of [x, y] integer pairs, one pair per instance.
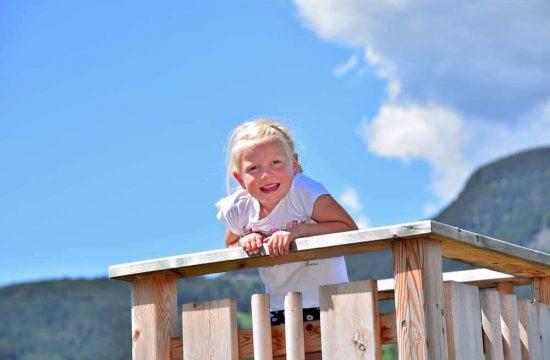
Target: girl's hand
{"points": [[279, 242], [251, 243]]}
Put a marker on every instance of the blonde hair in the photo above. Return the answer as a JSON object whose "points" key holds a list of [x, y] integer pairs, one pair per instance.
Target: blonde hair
{"points": [[254, 130]]}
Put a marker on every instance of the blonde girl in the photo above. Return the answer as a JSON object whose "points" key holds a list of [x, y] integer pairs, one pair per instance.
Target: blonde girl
{"points": [[276, 204]]}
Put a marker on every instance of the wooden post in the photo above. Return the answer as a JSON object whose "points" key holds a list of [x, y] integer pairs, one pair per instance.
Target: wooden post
{"points": [[505, 287], [261, 327], [210, 330], [463, 315], [154, 316], [510, 326], [294, 326], [490, 319], [419, 299], [541, 289], [350, 322]]}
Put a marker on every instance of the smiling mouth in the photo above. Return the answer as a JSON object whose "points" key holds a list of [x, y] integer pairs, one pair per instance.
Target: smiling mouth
{"points": [[270, 188]]}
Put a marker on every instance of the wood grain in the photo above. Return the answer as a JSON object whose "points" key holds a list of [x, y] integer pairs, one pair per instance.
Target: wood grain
{"points": [[490, 319], [456, 244], [350, 324], [419, 302], [210, 330], [463, 317]]}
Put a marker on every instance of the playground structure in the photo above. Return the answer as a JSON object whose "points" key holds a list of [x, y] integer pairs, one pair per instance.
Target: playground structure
{"points": [[460, 315]]}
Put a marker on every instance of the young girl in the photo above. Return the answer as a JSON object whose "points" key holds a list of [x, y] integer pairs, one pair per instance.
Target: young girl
{"points": [[275, 205]]}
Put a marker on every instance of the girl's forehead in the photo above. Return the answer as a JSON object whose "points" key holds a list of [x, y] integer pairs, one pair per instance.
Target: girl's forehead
{"points": [[263, 147]]}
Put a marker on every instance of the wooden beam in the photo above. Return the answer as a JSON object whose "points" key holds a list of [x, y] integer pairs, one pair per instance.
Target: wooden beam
{"points": [[419, 299], [530, 338], [312, 338], [510, 326], [456, 244], [154, 316]]}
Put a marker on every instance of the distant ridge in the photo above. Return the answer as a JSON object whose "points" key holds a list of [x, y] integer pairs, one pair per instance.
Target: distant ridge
{"points": [[508, 199]]}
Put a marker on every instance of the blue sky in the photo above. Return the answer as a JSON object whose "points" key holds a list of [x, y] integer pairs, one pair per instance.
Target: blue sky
{"points": [[114, 115]]}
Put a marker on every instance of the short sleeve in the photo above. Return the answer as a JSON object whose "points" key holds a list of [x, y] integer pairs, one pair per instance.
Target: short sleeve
{"points": [[305, 191], [229, 214]]}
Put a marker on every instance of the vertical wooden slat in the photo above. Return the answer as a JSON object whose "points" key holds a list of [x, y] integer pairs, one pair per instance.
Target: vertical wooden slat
{"points": [[419, 299], [261, 327], [543, 320], [210, 330], [531, 342], [490, 320], [294, 326], [510, 327], [350, 323], [463, 316], [505, 287], [154, 316], [541, 290]]}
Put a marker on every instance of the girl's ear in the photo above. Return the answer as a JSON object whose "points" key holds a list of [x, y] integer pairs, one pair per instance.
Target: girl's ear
{"points": [[296, 165], [239, 179]]}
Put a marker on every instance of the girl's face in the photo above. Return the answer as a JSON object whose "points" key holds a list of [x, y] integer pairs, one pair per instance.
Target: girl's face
{"points": [[266, 171]]}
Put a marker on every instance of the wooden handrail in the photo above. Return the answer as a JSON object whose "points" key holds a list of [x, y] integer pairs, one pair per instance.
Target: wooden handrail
{"points": [[456, 244]]}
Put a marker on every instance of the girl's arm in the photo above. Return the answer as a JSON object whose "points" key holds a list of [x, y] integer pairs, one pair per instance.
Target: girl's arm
{"points": [[231, 240], [330, 218]]}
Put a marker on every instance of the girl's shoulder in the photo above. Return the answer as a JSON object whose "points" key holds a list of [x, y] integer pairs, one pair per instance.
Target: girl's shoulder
{"points": [[303, 183]]}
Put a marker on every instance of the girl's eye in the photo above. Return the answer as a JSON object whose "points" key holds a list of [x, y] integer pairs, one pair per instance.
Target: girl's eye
{"points": [[251, 169], [277, 162]]}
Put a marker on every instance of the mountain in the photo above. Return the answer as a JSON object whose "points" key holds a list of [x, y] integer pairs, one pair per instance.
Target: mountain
{"points": [[90, 319]]}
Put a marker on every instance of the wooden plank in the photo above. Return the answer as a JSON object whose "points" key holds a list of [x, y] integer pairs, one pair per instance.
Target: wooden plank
{"points": [[261, 327], [312, 338], [490, 320], [481, 278], [463, 320], [541, 289], [350, 325], [294, 326], [210, 330], [419, 299], [456, 244], [543, 321], [510, 326], [530, 338], [154, 316]]}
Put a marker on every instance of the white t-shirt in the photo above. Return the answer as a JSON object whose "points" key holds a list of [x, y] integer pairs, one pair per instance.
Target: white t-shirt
{"points": [[240, 212]]}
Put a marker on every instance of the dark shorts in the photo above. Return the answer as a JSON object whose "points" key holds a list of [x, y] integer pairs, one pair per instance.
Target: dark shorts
{"points": [[309, 314]]}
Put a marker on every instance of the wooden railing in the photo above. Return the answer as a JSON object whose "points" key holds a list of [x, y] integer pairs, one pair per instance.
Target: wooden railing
{"points": [[437, 316]]}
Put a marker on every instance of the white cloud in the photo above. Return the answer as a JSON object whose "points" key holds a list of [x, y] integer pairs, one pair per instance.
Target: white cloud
{"points": [[345, 68], [429, 133], [466, 83], [350, 199], [486, 58]]}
